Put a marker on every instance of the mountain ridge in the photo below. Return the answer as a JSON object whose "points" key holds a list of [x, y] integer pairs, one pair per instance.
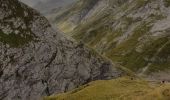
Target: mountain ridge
{"points": [[37, 61]]}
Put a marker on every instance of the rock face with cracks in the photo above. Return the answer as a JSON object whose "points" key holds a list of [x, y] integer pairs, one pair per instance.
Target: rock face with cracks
{"points": [[36, 61]]}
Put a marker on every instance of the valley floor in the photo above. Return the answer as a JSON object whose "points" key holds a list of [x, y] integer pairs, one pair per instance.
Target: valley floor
{"points": [[125, 88]]}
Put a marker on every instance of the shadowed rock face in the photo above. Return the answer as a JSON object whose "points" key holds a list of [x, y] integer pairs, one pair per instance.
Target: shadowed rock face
{"points": [[36, 61]]}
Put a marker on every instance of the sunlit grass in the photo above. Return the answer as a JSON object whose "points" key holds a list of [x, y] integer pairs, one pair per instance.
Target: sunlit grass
{"points": [[117, 89]]}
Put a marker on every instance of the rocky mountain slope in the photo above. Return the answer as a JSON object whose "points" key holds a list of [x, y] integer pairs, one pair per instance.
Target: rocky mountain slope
{"points": [[49, 8], [133, 33], [36, 61]]}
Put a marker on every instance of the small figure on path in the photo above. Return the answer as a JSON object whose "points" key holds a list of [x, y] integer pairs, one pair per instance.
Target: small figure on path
{"points": [[163, 82]]}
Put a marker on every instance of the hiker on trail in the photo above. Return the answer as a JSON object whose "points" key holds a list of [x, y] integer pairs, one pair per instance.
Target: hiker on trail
{"points": [[163, 82]]}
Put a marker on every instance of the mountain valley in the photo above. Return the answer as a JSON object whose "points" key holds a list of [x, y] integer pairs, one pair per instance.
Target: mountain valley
{"points": [[84, 49]]}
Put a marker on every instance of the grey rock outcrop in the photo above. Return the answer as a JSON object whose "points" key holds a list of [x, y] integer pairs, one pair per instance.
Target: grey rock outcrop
{"points": [[36, 61]]}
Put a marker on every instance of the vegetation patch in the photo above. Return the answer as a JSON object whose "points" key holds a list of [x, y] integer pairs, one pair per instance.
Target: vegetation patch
{"points": [[81, 30], [157, 16], [125, 52], [150, 54], [167, 3], [114, 34], [15, 40], [162, 59], [141, 3]]}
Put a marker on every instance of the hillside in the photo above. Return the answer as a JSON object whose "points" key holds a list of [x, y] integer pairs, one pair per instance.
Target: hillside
{"points": [[36, 61], [118, 89], [132, 33], [48, 7]]}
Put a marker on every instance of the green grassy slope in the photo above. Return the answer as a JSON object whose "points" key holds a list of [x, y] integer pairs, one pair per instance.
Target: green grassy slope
{"points": [[118, 89]]}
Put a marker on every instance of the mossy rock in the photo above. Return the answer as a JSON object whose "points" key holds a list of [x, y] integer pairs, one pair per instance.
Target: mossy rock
{"points": [[15, 40]]}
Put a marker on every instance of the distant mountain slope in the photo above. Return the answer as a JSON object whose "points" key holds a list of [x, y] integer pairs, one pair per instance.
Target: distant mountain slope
{"points": [[50, 6], [133, 33], [30, 2], [74, 14], [36, 61]]}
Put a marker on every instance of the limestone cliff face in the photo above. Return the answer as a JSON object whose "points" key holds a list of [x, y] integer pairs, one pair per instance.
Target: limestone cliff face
{"points": [[133, 33], [36, 61]]}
